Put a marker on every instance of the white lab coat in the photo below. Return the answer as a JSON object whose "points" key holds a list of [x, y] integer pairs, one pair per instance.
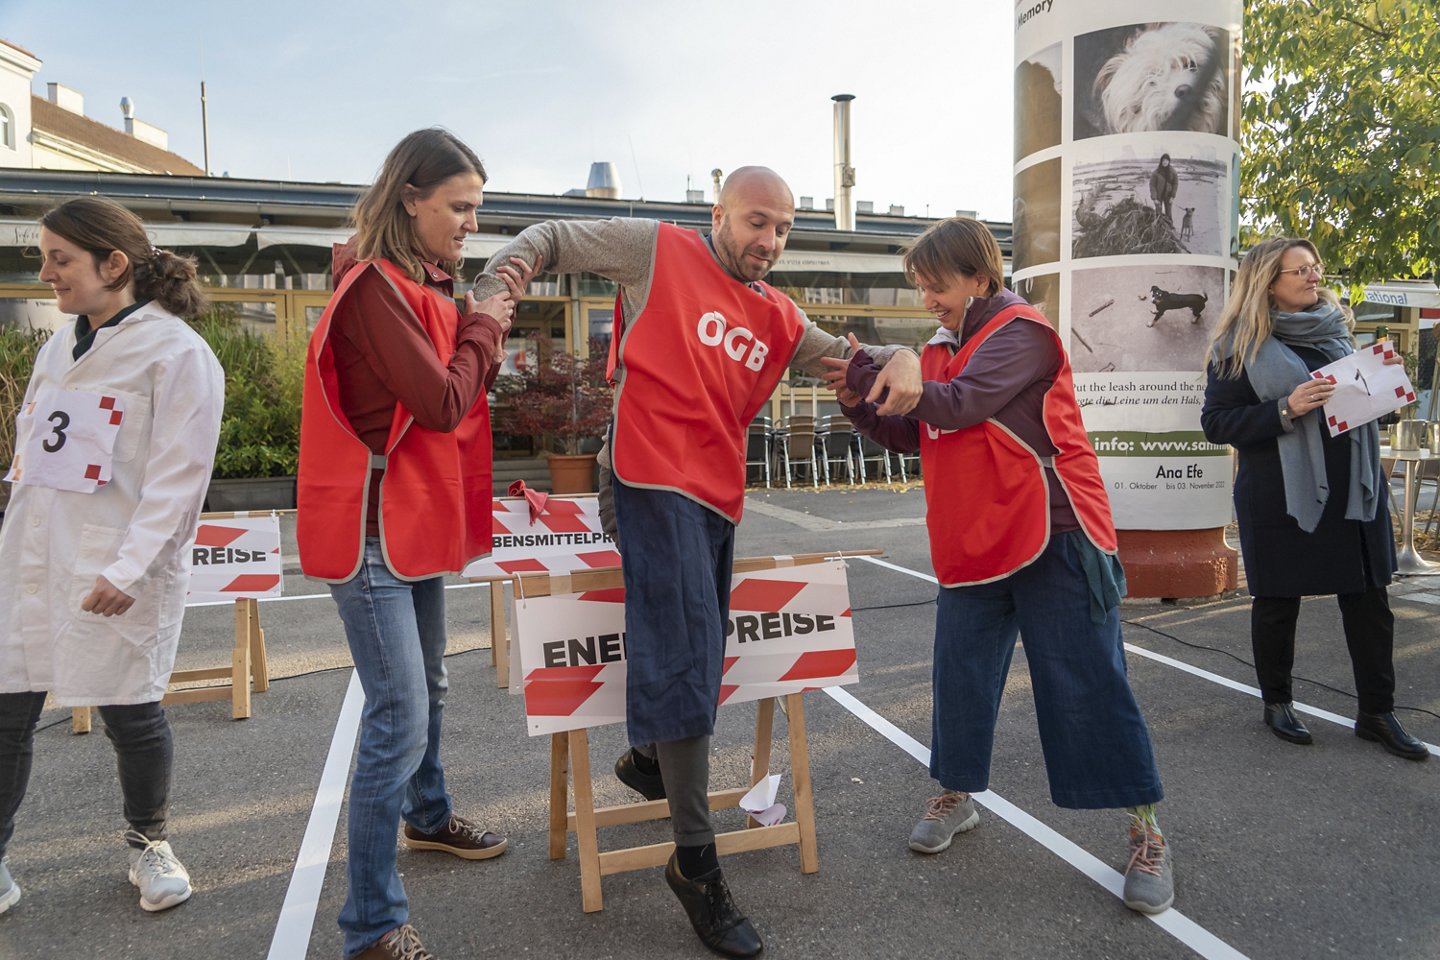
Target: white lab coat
{"points": [[133, 530]]}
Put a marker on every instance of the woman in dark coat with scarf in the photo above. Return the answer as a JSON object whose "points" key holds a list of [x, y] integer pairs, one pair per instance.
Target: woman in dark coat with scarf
{"points": [[1312, 509]]}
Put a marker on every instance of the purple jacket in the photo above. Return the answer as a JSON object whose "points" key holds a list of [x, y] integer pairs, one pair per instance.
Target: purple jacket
{"points": [[1005, 380]]}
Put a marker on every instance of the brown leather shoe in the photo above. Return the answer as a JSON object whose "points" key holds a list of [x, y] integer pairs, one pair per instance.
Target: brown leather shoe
{"points": [[461, 837], [402, 943]]}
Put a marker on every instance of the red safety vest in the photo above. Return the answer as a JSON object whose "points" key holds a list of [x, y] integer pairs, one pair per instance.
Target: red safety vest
{"points": [[987, 500], [435, 495], [693, 369]]}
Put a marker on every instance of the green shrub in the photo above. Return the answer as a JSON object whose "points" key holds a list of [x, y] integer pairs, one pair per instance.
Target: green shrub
{"points": [[264, 378], [18, 347]]}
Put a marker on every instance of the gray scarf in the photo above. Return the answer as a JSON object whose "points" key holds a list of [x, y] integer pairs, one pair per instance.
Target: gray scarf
{"points": [[1275, 373]]}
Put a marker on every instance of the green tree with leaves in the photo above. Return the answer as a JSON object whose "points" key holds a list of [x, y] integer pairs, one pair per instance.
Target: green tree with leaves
{"points": [[1341, 134]]}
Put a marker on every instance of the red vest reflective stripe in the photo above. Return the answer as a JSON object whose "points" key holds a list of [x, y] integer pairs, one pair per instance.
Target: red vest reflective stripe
{"points": [[693, 368], [987, 500], [435, 496]]}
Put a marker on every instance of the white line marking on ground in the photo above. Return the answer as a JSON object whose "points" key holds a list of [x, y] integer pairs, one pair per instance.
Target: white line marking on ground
{"points": [[1305, 708], [1172, 921], [302, 899], [806, 521], [905, 570]]}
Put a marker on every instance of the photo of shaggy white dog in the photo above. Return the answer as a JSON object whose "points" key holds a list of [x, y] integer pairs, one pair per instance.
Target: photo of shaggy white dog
{"points": [[1159, 76], [1158, 73]]}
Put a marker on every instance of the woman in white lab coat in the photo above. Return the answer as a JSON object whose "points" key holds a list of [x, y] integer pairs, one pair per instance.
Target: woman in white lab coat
{"points": [[114, 445]]}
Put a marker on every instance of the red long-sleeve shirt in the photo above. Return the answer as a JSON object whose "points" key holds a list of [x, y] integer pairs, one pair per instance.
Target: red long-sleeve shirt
{"points": [[384, 356]]}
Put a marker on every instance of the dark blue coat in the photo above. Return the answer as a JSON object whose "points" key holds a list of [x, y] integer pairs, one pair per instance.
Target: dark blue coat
{"points": [[1281, 560]]}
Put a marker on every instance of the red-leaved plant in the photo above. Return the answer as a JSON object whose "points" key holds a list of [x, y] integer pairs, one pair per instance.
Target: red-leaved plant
{"points": [[557, 396]]}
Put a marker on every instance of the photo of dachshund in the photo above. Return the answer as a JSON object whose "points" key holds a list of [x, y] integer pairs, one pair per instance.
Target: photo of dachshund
{"points": [[1187, 225], [1164, 301], [1107, 311]]}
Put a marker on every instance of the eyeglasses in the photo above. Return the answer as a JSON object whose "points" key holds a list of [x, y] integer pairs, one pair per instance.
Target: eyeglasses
{"points": [[1316, 269]]}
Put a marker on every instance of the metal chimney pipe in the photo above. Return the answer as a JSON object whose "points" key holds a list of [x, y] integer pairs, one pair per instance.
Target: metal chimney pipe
{"points": [[844, 173], [205, 127]]}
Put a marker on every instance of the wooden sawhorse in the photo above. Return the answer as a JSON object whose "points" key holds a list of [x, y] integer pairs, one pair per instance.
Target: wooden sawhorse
{"points": [[499, 641], [570, 763], [249, 669]]}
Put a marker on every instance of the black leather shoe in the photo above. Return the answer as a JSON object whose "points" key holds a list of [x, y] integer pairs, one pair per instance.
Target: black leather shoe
{"points": [[1386, 728], [648, 785], [716, 919], [1281, 719]]}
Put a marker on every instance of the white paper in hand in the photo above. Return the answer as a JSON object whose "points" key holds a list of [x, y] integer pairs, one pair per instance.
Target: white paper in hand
{"points": [[760, 802], [1366, 387]]}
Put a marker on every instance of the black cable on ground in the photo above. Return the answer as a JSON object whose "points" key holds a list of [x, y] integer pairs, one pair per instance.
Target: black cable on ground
{"points": [[893, 606], [1317, 683]]}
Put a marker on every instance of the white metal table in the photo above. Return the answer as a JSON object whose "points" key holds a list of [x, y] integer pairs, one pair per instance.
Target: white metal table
{"points": [[1408, 561]]}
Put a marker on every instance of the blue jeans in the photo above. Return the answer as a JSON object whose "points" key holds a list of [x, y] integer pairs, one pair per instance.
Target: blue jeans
{"points": [[1096, 745], [396, 632]]}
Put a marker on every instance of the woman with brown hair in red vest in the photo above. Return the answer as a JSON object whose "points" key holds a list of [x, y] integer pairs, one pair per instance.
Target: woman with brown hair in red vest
{"points": [[394, 493]]}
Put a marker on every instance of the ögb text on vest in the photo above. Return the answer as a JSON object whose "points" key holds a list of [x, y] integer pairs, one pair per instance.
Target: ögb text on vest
{"points": [[789, 631], [738, 343]]}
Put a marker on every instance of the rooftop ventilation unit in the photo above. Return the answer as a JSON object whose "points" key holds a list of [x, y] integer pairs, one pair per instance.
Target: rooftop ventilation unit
{"points": [[604, 182]]}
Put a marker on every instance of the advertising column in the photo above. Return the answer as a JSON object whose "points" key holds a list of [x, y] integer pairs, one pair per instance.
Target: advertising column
{"points": [[1126, 227]]}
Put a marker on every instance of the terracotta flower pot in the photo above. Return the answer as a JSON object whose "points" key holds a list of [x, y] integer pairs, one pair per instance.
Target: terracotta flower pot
{"points": [[572, 473]]}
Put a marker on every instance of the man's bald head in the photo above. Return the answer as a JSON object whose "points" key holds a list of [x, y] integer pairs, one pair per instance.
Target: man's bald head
{"points": [[751, 220], [756, 183]]}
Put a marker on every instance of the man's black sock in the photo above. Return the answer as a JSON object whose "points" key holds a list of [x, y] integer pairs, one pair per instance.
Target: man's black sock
{"points": [[696, 861], [646, 765]]}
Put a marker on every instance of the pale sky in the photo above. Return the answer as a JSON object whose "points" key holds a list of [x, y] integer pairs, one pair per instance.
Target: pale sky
{"points": [[665, 89]]}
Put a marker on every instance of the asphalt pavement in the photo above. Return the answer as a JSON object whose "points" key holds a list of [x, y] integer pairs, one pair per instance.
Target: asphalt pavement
{"points": [[1280, 851]]}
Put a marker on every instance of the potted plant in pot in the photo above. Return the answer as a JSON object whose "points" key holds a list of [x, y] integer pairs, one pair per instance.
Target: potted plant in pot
{"points": [[259, 446], [18, 347], [564, 401]]}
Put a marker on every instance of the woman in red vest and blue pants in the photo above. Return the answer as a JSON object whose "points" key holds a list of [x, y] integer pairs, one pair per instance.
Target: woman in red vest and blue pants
{"points": [[394, 493], [1022, 541]]}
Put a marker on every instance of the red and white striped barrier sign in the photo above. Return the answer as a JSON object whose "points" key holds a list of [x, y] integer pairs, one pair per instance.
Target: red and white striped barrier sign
{"points": [[235, 558], [566, 537], [789, 631]]}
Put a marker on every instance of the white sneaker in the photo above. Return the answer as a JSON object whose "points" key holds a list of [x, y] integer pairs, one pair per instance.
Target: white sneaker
{"points": [[9, 889], [154, 868]]}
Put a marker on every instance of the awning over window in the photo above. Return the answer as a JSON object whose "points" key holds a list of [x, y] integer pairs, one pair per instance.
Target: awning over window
{"points": [[26, 233], [477, 248], [1404, 293]]}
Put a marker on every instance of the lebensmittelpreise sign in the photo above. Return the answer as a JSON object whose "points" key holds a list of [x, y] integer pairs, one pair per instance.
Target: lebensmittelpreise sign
{"points": [[566, 536]]}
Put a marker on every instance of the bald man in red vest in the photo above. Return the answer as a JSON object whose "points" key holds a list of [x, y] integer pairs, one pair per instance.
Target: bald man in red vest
{"points": [[700, 343]]}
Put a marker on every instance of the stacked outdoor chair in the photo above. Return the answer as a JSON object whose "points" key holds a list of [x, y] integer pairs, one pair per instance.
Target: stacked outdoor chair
{"points": [[759, 450], [796, 437]]}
